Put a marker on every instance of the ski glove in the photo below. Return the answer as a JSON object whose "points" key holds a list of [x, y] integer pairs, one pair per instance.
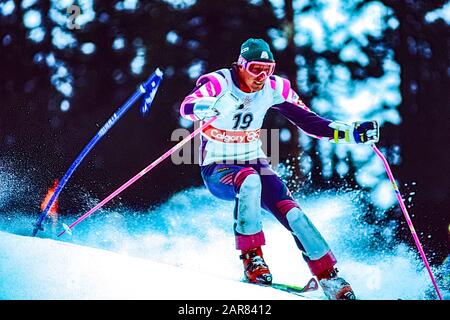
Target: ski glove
{"points": [[366, 132], [204, 108], [208, 107]]}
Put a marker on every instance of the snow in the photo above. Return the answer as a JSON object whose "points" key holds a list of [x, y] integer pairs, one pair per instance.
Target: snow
{"points": [[34, 268], [37, 34], [442, 13], [137, 64], [28, 3], [32, 19], [184, 249], [181, 4], [62, 39], [383, 196], [88, 48], [6, 8], [126, 5], [119, 43]]}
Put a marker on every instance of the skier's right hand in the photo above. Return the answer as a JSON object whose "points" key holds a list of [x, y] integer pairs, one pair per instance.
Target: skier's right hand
{"points": [[204, 108], [208, 107]]}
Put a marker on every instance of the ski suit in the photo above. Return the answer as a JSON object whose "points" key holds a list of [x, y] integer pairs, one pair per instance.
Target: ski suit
{"points": [[234, 166]]}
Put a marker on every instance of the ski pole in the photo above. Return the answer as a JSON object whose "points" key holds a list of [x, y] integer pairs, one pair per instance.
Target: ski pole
{"points": [[137, 177], [149, 89], [408, 219]]}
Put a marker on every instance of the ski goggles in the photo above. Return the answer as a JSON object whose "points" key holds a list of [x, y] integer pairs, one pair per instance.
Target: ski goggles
{"points": [[257, 68]]}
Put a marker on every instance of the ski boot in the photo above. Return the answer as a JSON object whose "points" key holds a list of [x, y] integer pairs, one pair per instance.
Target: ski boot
{"points": [[256, 269], [334, 287]]}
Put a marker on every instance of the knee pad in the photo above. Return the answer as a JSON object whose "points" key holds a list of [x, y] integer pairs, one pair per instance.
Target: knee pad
{"points": [[312, 241], [248, 217]]}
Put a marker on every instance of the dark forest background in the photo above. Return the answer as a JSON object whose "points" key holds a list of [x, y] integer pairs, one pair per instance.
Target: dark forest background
{"points": [[59, 85]]}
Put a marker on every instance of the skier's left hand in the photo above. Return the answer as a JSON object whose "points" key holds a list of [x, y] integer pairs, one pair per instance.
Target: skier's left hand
{"points": [[366, 132]]}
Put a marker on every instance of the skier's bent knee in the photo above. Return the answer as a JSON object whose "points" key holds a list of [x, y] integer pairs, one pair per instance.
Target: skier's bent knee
{"points": [[248, 220]]}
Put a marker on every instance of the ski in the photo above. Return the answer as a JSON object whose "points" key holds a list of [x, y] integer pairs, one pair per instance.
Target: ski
{"points": [[312, 285]]}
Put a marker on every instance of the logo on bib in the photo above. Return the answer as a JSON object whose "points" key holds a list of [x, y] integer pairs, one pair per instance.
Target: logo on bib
{"points": [[232, 136]]}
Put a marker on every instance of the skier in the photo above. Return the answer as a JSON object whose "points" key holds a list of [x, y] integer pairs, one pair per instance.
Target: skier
{"points": [[234, 167]]}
